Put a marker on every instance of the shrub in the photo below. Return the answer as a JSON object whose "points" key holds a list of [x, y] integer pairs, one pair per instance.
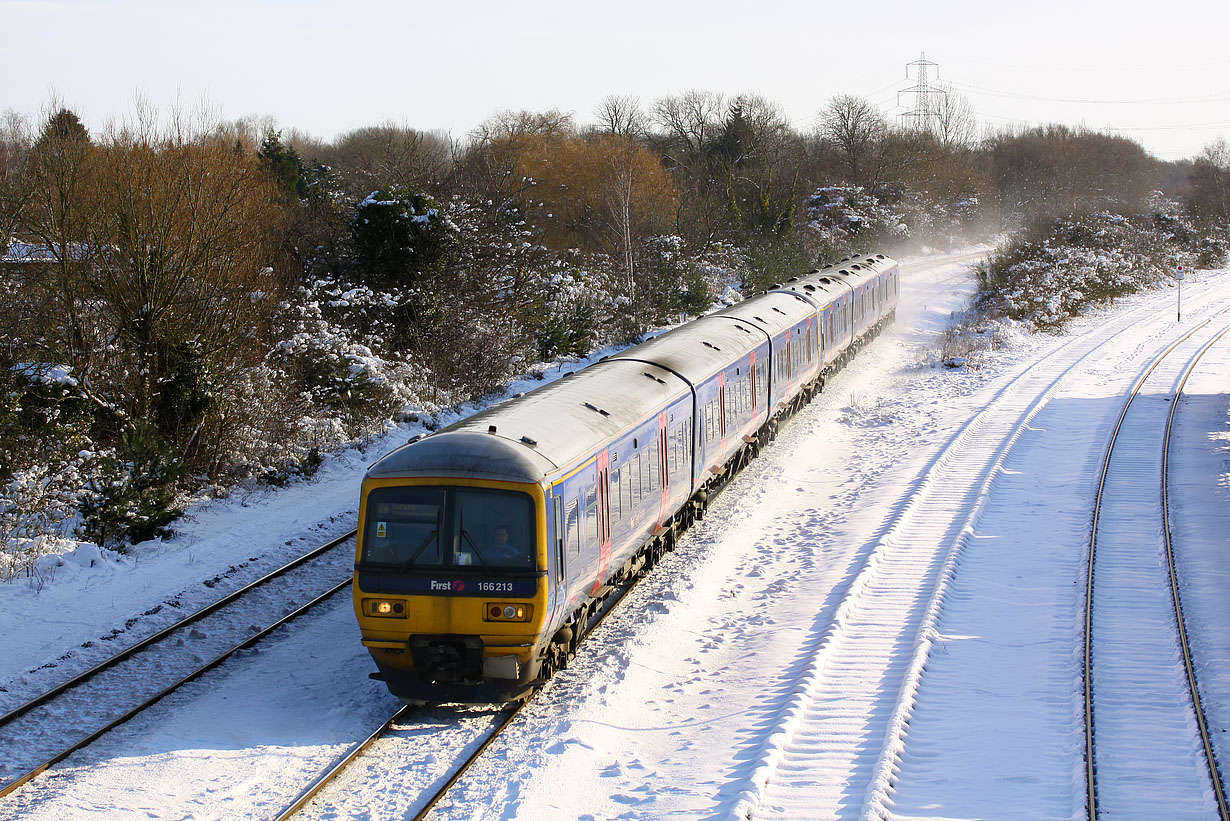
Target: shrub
{"points": [[1055, 270]]}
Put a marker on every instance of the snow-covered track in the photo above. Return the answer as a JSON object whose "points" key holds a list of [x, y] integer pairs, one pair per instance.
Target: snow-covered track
{"points": [[52, 726], [476, 745], [313, 789], [835, 747], [1143, 712]]}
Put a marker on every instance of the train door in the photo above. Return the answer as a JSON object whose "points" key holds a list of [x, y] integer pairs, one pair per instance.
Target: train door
{"points": [[561, 561], [789, 361], [752, 372], [722, 413], [604, 514], [663, 468]]}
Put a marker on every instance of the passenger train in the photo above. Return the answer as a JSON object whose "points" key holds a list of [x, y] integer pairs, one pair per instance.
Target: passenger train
{"points": [[485, 549]]}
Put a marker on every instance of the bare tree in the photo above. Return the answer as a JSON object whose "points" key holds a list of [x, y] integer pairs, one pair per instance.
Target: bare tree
{"points": [[552, 123], [182, 235], [16, 140], [953, 119], [395, 155], [57, 217], [691, 120], [621, 116], [1209, 181], [855, 126], [246, 132]]}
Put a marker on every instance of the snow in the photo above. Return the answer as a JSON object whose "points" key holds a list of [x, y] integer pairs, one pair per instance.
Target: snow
{"points": [[46, 373], [834, 639]]}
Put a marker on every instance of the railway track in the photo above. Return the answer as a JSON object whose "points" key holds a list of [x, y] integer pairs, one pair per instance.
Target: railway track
{"points": [[480, 745], [477, 744], [1140, 702], [51, 726], [834, 729]]}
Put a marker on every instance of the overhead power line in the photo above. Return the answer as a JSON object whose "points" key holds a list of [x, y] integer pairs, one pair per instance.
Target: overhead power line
{"points": [[1184, 127], [1211, 98]]}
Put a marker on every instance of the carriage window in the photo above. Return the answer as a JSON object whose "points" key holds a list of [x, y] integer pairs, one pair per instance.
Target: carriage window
{"points": [[614, 500], [646, 465], [573, 515], [559, 539], [636, 466], [591, 513]]}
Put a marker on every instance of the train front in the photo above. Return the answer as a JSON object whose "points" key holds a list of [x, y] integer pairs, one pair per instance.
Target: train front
{"points": [[451, 583]]}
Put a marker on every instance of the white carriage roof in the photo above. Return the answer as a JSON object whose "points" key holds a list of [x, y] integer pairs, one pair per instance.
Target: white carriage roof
{"points": [[701, 348], [528, 438], [773, 311]]}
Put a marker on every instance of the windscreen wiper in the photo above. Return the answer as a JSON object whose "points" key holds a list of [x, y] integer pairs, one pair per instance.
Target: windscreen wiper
{"points": [[406, 565], [477, 553]]}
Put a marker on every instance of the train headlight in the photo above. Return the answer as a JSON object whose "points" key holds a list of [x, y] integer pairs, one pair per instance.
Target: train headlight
{"points": [[499, 611], [385, 608]]}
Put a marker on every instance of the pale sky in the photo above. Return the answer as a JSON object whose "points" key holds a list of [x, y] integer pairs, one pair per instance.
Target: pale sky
{"points": [[1158, 70]]}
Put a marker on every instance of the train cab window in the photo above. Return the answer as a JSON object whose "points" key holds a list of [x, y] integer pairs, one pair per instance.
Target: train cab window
{"points": [[422, 528], [404, 526], [493, 529]]}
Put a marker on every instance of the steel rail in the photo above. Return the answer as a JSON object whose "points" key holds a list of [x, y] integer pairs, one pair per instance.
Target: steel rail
{"points": [[473, 757], [1188, 665], [129, 652], [152, 700], [314, 789], [1091, 792], [354, 752]]}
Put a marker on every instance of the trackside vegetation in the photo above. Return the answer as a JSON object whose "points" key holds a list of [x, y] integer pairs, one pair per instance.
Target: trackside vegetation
{"points": [[192, 307]]}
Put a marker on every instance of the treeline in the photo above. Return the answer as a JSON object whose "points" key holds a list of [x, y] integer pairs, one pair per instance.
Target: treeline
{"points": [[188, 306], [1056, 267]]}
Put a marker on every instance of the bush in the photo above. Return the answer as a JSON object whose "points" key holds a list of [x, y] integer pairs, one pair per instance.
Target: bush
{"points": [[133, 499], [1055, 270]]}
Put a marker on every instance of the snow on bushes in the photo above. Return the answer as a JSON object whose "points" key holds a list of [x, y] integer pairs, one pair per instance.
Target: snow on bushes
{"points": [[1056, 270], [852, 219]]}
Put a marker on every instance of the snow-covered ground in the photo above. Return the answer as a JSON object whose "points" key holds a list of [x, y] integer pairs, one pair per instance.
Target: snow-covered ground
{"points": [[880, 613]]}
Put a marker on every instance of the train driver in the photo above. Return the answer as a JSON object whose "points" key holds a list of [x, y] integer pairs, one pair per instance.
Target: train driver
{"points": [[502, 549]]}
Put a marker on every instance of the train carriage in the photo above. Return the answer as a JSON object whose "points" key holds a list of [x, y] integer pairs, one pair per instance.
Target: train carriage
{"points": [[454, 609], [485, 549]]}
